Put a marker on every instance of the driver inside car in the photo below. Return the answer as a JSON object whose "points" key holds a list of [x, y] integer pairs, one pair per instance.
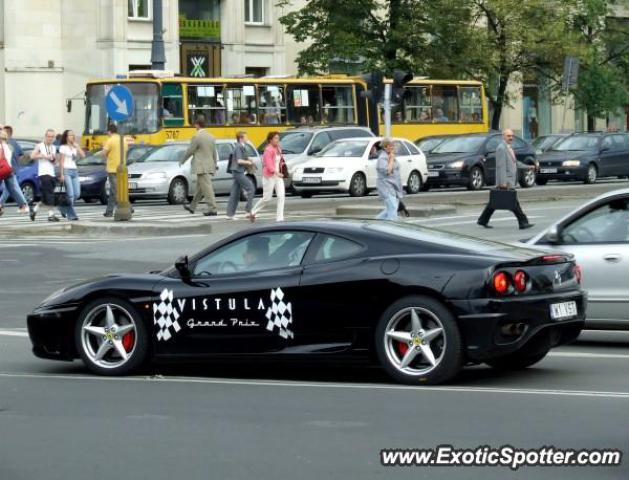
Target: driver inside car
{"points": [[257, 252]]}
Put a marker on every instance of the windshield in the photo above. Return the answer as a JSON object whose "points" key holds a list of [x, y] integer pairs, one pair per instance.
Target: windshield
{"points": [[429, 144], [460, 145], [291, 142], [542, 143], [577, 142], [93, 158], [169, 153], [344, 149], [145, 117]]}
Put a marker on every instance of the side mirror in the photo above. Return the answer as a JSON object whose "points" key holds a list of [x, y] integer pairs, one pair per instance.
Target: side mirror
{"points": [[553, 235], [181, 264]]}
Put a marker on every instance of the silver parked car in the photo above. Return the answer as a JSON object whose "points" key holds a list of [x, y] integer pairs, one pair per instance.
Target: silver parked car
{"points": [[597, 233], [159, 175]]}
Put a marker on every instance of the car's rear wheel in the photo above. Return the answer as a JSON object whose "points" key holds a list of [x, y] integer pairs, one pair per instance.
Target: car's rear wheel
{"points": [[28, 190], [358, 185], [517, 360], [418, 341], [111, 338], [477, 179], [592, 174], [414, 184], [178, 191]]}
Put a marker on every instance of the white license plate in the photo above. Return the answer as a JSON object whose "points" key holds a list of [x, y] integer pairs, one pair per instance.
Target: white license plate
{"points": [[314, 180], [548, 170], [133, 185], [433, 173], [559, 311]]}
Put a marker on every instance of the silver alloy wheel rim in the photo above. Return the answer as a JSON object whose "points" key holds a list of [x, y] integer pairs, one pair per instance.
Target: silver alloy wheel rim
{"points": [[592, 173], [423, 333], [359, 185], [414, 183], [179, 191], [102, 332], [29, 193], [477, 181], [529, 178]]}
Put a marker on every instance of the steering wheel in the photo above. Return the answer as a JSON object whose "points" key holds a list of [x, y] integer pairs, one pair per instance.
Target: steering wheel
{"points": [[228, 267]]}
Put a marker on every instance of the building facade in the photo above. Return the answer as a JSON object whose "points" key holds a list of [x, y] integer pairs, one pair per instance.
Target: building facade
{"points": [[49, 49]]}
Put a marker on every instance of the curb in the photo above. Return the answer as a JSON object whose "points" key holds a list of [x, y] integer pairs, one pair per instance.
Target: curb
{"points": [[373, 210], [98, 229]]}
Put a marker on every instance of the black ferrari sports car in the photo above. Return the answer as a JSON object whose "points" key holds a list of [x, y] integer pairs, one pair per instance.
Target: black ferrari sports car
{"points": [[419, 301]]}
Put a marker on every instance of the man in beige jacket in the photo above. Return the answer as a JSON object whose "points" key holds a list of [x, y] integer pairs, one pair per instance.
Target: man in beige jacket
{"points": [[203, 151]]}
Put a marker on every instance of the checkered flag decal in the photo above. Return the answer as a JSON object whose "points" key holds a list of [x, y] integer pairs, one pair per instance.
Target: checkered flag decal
{"points": [[280, 314], [166, 315]]}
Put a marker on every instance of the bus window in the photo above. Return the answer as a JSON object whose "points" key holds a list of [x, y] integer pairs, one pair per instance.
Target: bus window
{"points": [[470, 104], [272, 106], [304, 104], [207, 100], [241, 105], [417, 105], [445, 106], [397, 115], [338, 104], [172, 105]]}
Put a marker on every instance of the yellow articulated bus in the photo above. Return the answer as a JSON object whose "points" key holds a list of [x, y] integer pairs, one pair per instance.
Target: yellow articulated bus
{"points": [[165, 107]]}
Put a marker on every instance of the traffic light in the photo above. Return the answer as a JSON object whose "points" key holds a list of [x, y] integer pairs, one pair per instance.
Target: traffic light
{"points": [[398, 92], [375, 87]]}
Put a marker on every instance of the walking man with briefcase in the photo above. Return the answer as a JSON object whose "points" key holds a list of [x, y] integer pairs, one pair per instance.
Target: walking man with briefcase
{"points": [[505, 197]]}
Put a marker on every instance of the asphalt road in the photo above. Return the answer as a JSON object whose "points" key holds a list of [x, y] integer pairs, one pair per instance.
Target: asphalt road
{"points": [[280, 421]]}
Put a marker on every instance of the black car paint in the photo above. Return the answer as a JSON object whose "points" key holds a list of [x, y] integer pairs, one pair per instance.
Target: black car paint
{"points": [[608, 162], [336, 305], [483, 158]]}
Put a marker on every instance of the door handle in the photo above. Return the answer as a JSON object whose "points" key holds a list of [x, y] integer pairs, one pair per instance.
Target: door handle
{"points": [[612, 257]]}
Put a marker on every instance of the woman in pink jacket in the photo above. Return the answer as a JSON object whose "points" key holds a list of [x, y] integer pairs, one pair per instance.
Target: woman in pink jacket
{"points": [[272, 178]]}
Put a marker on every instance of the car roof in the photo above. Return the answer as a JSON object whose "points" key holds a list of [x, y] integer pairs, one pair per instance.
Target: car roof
{"points": [[318, 128]]}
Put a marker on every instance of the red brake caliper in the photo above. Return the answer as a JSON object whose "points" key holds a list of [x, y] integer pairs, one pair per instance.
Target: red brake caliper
{"points": [[128, 340], [402, 348]]}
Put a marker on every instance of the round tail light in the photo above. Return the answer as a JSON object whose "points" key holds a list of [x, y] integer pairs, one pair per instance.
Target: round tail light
{"points": [[501, 282], [520, 280]]}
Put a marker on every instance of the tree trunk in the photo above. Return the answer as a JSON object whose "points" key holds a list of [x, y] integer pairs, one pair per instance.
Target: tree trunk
{"points": [[499, 102], [591, 123]]}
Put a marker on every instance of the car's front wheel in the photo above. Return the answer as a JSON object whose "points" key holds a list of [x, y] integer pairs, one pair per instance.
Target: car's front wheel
{"points": [[178, 191], [592, 174], [477, 179], [527, 178], [418, 341], [111, 338], [28, 190]]}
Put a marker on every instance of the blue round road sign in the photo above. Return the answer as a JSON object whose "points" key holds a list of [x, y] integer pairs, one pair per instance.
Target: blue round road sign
{"points": [[119, 103]]}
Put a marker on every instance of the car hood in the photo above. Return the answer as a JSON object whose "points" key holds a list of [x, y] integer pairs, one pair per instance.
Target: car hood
{"points": [[325, 162], [445, 158], [554, 157], [144, 167]]}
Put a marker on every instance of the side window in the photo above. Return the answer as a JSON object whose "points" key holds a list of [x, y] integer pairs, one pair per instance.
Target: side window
{"points": [[224, 150], [445, 105], [492, 143], [172, 105], [470, 104], [336, 248], [304, 104], [400, 149], [606, 224], [262, 251], [272, 106], [618, 143], [412, 148], [338, 104], [320, 141], [241, 105], [607, 143], [206, 100]]}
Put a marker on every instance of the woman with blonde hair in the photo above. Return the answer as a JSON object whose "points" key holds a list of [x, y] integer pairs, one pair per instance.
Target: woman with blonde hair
{"points": [[389, 182], [272, 177]]}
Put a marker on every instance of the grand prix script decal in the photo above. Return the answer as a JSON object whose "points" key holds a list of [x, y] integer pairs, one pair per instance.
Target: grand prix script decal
{"points": [[168, 313]]}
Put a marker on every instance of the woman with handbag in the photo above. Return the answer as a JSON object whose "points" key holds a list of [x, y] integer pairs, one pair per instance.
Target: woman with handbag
{"points": [[273, 172], [69, 152], [7, 174]]}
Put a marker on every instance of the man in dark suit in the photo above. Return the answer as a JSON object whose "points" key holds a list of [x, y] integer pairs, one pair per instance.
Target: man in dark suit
{"points": [[203, 151], [506, 178]]}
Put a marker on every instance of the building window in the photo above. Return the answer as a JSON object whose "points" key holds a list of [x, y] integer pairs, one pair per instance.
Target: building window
{"points": [[254, 12], [257, 71], [140, 9]]}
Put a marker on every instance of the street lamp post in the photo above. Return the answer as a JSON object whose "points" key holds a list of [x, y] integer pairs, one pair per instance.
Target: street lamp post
{"points": [[158, 57]]}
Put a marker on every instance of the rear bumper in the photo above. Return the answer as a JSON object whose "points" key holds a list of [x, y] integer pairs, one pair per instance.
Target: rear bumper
{"points": [[483, 323]]}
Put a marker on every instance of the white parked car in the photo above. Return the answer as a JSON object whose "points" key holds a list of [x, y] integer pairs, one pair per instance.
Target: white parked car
{"points": [[159, 175], [349, 165]]}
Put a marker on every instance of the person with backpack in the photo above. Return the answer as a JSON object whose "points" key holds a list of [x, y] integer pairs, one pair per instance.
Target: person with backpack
{"points": [[239, 163]]}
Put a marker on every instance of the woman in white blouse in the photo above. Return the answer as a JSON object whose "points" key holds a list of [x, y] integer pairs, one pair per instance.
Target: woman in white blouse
{"points": [[69, 152]]}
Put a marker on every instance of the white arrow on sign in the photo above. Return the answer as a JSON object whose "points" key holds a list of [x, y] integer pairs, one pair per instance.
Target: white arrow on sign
{"points": [[121, 105]]}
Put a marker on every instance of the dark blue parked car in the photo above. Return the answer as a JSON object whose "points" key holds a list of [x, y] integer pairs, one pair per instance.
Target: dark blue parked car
{"points": [[93, 175], [28, 180]]}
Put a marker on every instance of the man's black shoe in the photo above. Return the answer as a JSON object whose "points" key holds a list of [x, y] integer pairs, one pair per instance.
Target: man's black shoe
{"points": [[188, 208], [525, 226], [486, 225], [210, 214]]}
